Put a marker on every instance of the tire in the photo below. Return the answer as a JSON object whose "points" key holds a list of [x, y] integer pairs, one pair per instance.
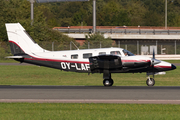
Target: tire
{"points": [[112, 82], [108, 82], [150, 82]]}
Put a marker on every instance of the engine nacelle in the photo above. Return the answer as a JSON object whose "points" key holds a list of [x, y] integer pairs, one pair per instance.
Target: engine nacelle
{"points": [[105, 62]]}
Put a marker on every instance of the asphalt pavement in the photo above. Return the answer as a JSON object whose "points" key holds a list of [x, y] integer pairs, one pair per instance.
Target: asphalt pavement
{"points": [[91, 94]]}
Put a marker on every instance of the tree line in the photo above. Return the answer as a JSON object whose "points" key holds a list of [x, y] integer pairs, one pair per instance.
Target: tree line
{"points": [[109, 13], [113, 13]]}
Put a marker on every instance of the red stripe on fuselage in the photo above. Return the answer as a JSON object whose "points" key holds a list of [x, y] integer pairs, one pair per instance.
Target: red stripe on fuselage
{"points": [[136, 60], [52, 60], [159, 66]]}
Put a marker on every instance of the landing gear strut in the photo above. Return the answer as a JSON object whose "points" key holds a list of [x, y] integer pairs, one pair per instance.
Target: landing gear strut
{"points": [[108, 81]]}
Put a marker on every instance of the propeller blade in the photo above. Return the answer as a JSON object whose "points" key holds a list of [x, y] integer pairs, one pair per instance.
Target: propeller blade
{"points": [[153, 63], [153, 54]]}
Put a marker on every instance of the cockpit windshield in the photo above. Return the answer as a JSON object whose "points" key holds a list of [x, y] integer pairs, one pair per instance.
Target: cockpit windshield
{"points": [[127, 53]]}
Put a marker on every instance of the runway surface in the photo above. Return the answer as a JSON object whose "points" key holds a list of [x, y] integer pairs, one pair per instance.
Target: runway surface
{"points": [[91, 94]]}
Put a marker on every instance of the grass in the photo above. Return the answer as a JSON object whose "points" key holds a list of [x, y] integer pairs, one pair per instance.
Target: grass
{"points": [[173, 61], [34, 75], [8, 61], [61, 111]]}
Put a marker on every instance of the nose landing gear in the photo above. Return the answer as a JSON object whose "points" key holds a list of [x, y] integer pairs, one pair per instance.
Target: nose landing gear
{"points": [[150, 81]]}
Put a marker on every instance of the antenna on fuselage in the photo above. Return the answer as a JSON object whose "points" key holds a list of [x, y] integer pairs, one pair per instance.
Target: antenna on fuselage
{"points": [[74, 45]]}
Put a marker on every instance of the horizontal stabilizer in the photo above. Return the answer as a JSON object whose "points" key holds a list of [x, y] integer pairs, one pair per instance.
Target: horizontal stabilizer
{"points": [[12, 57]]}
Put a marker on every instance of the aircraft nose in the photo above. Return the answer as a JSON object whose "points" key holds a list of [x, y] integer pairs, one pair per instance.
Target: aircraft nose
{"points": [[173, 67]]}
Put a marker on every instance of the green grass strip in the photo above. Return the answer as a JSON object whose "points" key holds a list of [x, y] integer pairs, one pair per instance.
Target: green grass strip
{"points": [[8, 61], [172, 61], [34, 75], [60, 111]]}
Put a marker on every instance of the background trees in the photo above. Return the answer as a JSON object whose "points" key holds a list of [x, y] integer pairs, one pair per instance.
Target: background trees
{"points": [[116, 12], [109, 13], [13, 11]]}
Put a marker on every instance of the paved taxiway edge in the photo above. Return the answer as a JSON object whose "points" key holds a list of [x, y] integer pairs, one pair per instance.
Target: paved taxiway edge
{"points": [[90, 101]]}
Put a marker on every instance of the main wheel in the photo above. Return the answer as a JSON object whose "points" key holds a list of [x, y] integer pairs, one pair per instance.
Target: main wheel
{"points": [[150, 82], [108, 82]]}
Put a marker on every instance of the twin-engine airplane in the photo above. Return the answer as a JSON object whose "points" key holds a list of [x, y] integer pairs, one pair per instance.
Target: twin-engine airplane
{"points": [[102, 60]]}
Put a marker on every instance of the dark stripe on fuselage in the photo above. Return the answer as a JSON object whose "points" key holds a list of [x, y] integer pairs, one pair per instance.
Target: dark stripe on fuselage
{"points": [[60, 64]]}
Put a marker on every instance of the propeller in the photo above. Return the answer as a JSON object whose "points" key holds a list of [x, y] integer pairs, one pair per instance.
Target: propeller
{"points": [[154, 62], [153, 54]]}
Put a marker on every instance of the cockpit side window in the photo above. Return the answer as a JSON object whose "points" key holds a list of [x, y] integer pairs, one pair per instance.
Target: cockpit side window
{"points": [[115, 53], [127, 53]]}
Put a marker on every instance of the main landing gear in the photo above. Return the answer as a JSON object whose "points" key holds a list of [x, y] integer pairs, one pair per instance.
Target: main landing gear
{"points": [[108, 81]]}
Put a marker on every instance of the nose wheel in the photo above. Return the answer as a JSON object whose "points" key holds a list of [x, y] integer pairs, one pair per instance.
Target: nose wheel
{"points": [[150, 82], [108, 82]]}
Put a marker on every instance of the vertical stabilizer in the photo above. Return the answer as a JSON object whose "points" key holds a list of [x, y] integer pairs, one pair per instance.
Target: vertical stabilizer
{"points": [[20, 41]]}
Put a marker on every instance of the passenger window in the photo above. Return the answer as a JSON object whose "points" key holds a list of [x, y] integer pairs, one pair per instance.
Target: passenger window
{"points": [[115, 53], [102, 53], [75, 56], [87, 55]]}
